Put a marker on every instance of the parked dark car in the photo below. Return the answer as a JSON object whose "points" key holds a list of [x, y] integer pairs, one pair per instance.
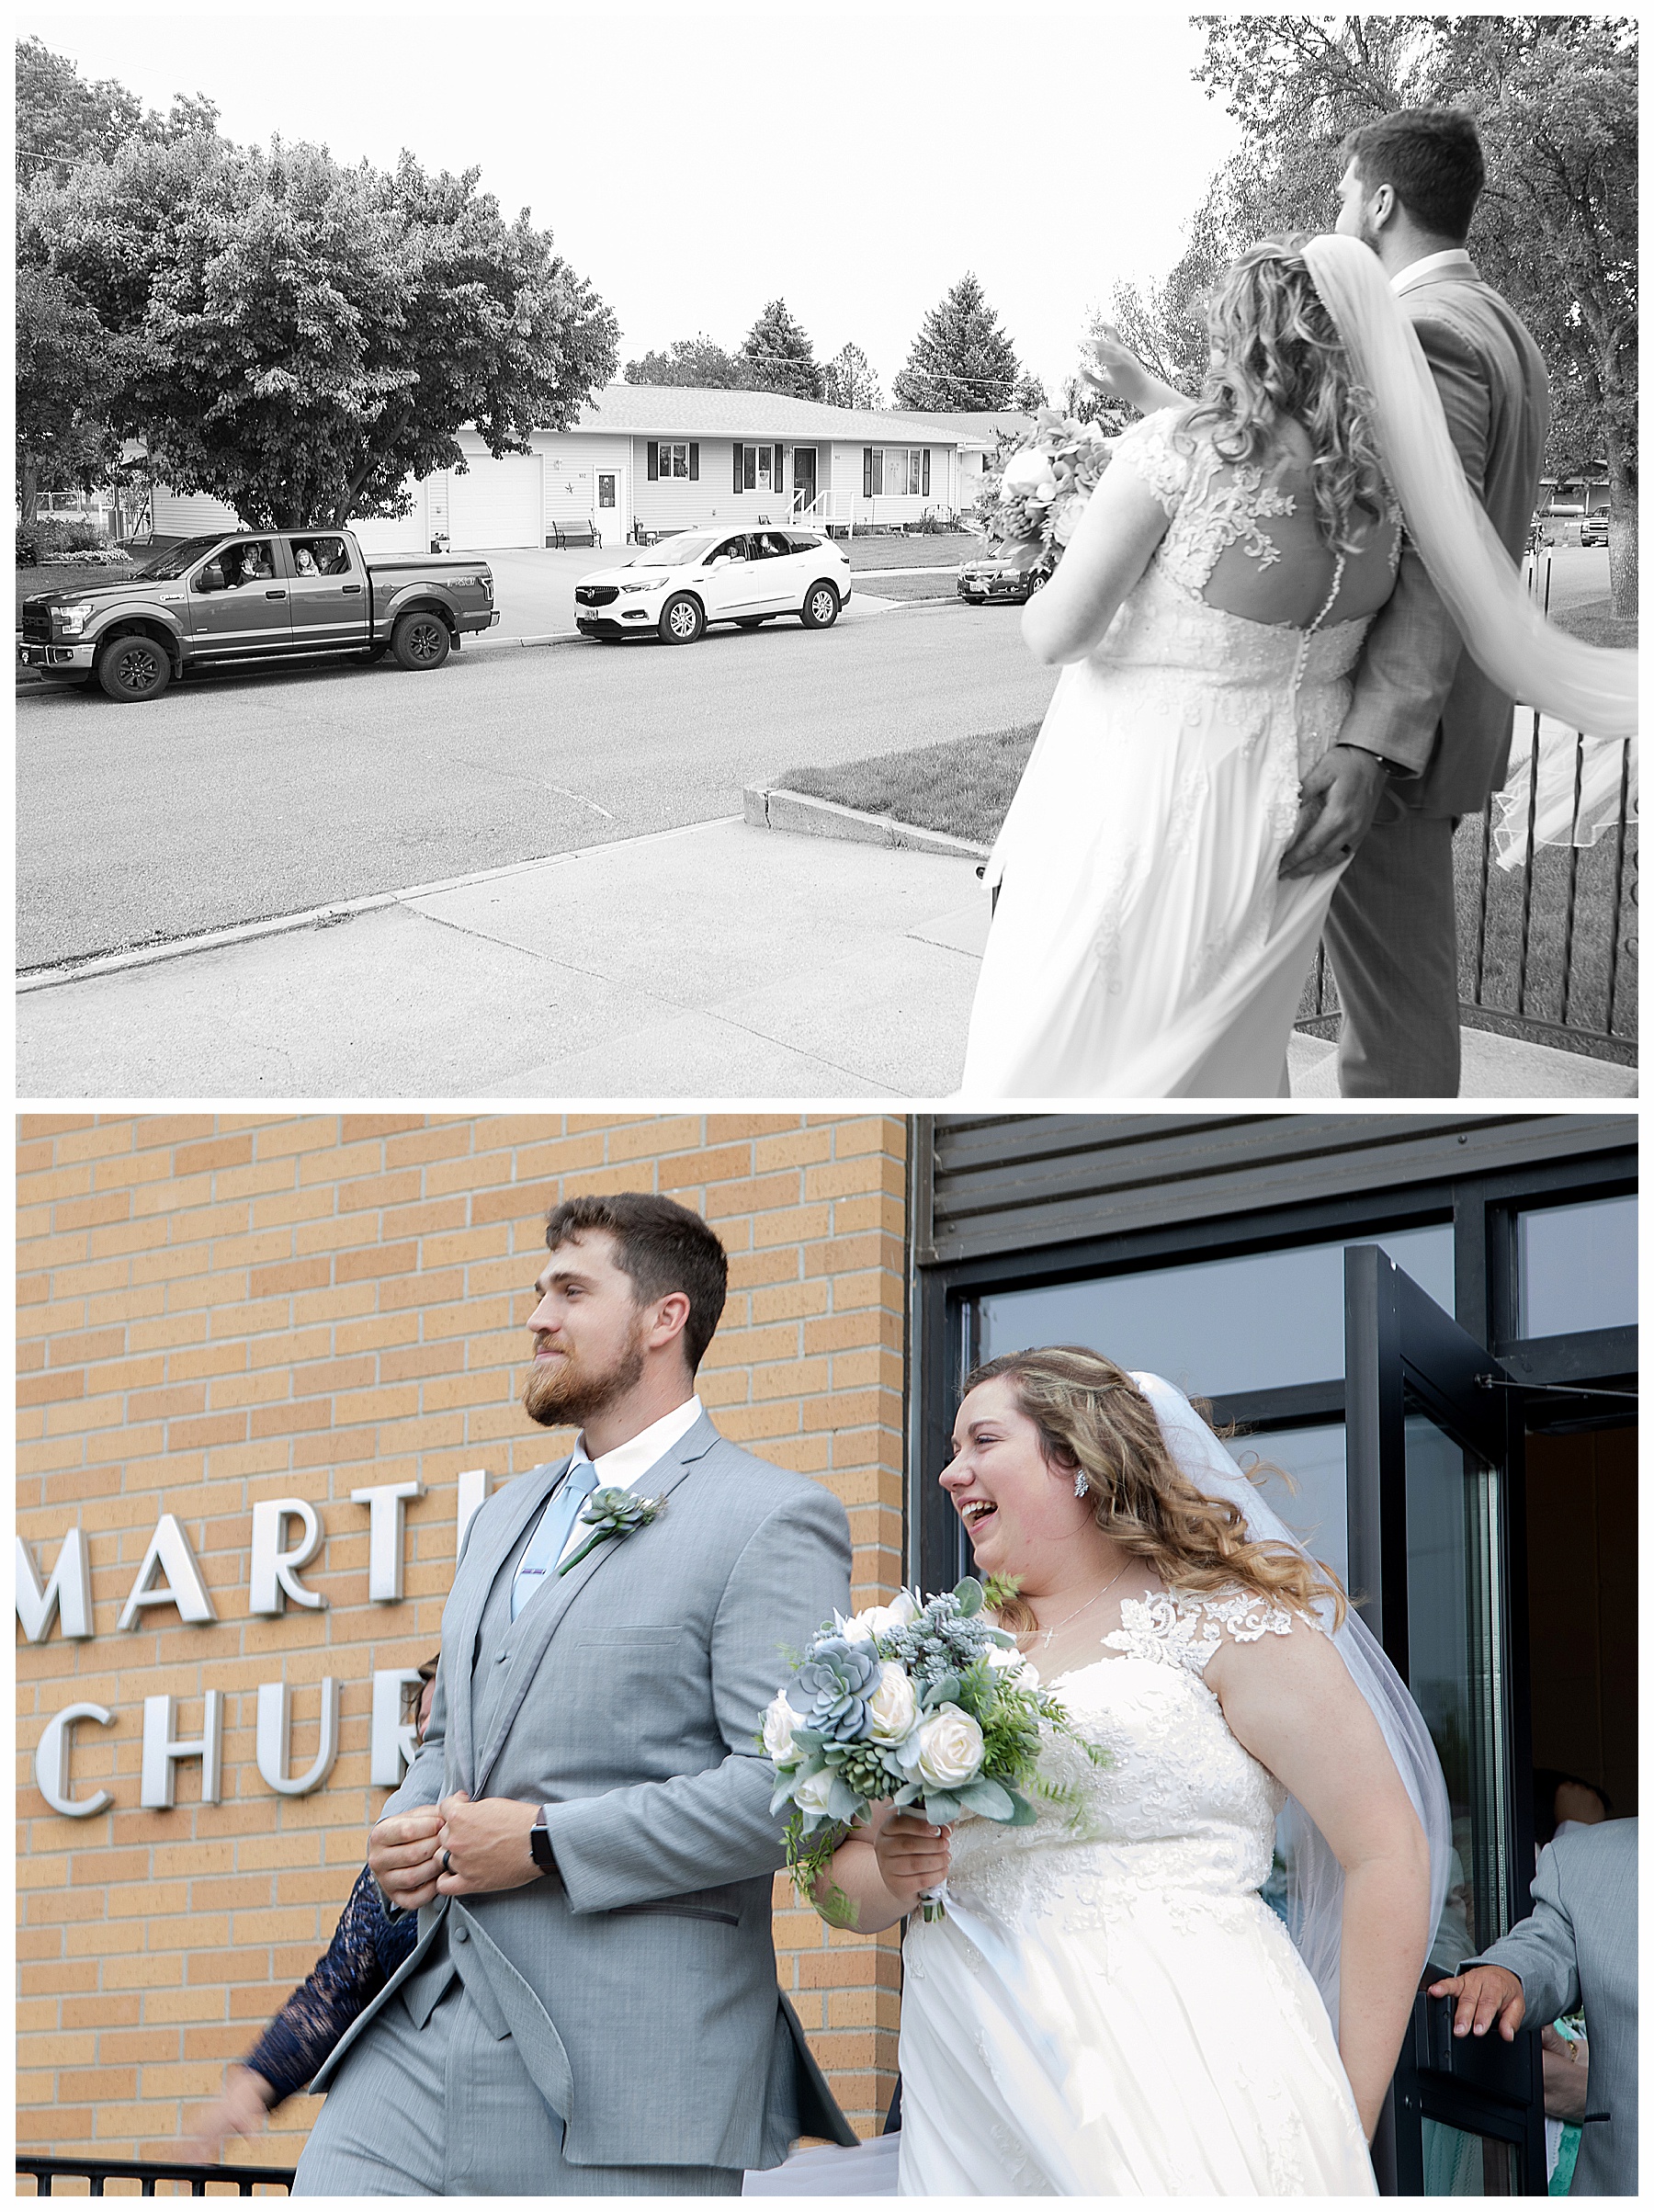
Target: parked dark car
{"points": [[997, 574], [251, 597]]}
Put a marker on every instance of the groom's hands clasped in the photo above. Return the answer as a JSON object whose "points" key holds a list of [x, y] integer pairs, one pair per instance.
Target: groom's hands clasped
{"points": [[485, 1844], [1337, 802]]}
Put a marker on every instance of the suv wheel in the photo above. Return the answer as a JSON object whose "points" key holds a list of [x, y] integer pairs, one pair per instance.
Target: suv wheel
{"points": [[682, 621], [133, 668], [820, 608], [420, 640]]}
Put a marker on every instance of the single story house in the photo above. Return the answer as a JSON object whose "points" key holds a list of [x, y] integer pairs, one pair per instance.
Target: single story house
{"points": [[662, 457]]}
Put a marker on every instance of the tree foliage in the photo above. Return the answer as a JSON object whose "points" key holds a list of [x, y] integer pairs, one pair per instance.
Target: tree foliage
{"points": [[62, 119], [961, 360], [297, 337], [698, 361], [1554, 101], [848, 380], [779, 357]]}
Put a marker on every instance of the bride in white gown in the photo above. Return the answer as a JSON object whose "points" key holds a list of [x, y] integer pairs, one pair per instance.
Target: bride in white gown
{"points": [[1208, 613], [1108, 2006]]}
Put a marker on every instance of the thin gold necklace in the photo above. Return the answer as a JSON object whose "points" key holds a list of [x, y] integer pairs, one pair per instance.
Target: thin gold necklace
{"points": [[1046, 1634]]}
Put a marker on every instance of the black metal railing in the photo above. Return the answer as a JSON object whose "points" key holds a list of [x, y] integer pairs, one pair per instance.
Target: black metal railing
{"points": [[1546, 922], [202, 2180]]}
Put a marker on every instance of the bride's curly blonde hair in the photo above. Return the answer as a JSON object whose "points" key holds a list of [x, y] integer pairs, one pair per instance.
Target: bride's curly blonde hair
{"points": [[1279, 355], [1091, 1415]]}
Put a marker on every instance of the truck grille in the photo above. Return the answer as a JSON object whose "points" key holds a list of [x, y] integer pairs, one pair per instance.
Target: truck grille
{"points": [[596, 595], [37, 621]]}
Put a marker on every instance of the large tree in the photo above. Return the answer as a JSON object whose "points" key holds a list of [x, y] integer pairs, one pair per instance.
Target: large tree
{"points": [[1555, 99], [297, 337], [848, 380], [62, 119], [778, 356], [962, 360], [698, 361]]}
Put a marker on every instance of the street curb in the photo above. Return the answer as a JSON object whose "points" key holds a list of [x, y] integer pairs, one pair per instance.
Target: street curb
{"points": [[776, 808]]}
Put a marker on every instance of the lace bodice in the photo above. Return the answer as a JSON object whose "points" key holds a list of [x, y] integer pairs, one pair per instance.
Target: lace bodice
{"points": [[1213, 505], [1182, 1810]]}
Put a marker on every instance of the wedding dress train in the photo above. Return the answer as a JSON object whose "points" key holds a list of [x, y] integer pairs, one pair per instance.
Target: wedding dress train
{"points": [[1109, 2007], [1143, 945]]}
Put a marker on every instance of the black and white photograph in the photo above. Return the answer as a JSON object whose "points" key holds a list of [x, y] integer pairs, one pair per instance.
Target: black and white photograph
{"points": [[826, 1175]]}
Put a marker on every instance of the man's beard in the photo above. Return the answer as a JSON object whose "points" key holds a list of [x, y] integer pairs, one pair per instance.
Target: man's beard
{"points": [[559, 1393]]}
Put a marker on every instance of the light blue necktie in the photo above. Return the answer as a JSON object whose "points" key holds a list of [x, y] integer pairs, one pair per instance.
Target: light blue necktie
{"points": [[546, 1546]]}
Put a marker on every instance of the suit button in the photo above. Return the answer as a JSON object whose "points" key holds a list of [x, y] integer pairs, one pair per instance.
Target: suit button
{"points": [[462, 1935], [501, 1657]]}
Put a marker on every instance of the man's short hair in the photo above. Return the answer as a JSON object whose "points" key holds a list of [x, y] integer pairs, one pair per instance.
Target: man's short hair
{"points": [[662, 1247], [1430, 158]]}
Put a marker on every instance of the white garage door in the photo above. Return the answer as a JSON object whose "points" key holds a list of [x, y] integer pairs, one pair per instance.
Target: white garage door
{"points": [[394, 534], [495, 502]]}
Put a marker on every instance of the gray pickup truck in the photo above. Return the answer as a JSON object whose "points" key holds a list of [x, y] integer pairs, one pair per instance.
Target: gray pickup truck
{"points": [[254, 595]]}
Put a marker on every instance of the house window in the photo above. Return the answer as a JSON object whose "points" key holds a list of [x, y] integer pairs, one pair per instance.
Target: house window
{"points": [[673, 460], [901, 471], [757, 467]]}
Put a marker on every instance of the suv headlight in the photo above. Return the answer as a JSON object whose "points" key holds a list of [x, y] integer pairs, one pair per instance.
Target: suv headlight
{"points": [[651, 584], [71, 619]]}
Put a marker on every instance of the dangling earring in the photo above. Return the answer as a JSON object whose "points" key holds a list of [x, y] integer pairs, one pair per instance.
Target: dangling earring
{"points": [[1080, 1484]]}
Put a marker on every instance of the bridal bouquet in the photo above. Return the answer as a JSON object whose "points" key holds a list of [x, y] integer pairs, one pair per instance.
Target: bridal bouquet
{"points": [[1033, 507], [924, 1703]]}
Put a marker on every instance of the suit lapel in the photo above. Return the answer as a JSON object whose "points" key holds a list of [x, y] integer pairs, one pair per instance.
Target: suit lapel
{"points": [[546, 1610], [527, 1496]]}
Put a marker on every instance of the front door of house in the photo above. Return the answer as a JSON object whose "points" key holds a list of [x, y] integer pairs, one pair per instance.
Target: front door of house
{"points": [[804, 477], [1436, 1553], [608, 506]]}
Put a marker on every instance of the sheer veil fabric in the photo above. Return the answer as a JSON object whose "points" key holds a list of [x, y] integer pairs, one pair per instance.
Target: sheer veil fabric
{"points": [[1314, 1877], [1592, 687]]}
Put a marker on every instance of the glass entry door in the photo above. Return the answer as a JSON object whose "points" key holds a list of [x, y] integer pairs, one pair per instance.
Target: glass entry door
{"points": [[1434, 1460]]}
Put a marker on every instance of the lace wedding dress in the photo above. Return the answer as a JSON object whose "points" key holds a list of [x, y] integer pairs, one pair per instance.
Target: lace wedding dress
{"points": [[1109, 2008], [1142, 944]]}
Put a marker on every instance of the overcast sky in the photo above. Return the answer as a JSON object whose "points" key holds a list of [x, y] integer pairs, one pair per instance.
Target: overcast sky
{"points": [[694, 162]]}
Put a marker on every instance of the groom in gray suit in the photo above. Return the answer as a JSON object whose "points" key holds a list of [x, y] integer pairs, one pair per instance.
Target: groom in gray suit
{"points": [[591, 2008], [1428, 735]]}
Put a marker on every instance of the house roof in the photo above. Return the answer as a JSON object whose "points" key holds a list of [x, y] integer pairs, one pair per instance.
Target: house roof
{"points": [[973, 429], [696, 411]]}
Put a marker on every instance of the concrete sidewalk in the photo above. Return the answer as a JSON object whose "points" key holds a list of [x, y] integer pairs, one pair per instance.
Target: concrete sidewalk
{"points": [[716, 962]]}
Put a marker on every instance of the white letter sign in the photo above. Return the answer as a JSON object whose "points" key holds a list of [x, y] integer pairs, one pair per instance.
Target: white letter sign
{"points": [[169, 1551], [52, 1761], [384, 1503], [274, 1701], [274, 1577], [395, 1743], [68, 1593], [162, 1750]]}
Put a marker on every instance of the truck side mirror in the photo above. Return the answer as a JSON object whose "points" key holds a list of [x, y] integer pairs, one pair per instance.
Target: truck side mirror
{"points": [[210, 578]]}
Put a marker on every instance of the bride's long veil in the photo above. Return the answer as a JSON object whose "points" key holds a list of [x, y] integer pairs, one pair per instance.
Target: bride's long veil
{"points": [[1314, 1877], [1591, 687]]}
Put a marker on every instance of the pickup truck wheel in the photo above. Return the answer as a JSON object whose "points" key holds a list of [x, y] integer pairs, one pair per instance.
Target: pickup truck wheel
{"points": [[820, 608], [133, 668], [420, 641], [682, 621]]}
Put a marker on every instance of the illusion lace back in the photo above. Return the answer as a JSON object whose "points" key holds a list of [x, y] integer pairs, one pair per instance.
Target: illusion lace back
{"points": [[1109, 2008], [1143, 945]]}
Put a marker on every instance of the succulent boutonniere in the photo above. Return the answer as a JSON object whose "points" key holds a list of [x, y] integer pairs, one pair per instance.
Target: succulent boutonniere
{"points": [[611, 1513]]}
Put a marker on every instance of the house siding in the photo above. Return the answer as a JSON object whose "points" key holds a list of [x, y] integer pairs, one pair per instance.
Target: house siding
{"points": [[571, 460]]}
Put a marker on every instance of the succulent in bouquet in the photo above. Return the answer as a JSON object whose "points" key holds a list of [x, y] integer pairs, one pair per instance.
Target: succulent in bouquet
{"points": [[924, 1703]]}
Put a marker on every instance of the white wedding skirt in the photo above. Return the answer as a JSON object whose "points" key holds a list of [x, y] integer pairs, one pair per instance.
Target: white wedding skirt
{"points": [[1144, 946]]}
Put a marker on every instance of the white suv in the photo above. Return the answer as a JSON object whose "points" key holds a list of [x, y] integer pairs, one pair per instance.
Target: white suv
{"points": [[746, 577]]}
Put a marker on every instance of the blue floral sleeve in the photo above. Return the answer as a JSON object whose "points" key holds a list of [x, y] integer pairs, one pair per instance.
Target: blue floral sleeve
{"points": [[367, 1949]]}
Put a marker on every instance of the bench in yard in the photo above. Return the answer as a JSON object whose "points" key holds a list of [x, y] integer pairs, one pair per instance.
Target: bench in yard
{"points": [[564, 534]]}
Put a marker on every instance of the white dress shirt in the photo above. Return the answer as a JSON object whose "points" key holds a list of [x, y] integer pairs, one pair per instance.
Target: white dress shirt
{"points": [[1455, 256], [620, 1469]]}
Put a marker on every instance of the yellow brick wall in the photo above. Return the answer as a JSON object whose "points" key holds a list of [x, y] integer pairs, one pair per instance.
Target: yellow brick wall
{"points": [[219, 1310]]}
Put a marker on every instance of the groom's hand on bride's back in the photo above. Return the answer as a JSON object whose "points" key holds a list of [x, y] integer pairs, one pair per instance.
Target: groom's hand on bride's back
{"points": [[1337, 802], [913, 1856], [402, 1856]]}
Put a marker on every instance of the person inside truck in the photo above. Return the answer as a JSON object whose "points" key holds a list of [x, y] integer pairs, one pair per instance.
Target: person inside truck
{"points": [[254, 565], [304, 561]]}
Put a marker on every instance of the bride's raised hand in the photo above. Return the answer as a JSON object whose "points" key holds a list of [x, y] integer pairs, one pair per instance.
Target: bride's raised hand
{"points": [[1109, 365], [913, 1856]]}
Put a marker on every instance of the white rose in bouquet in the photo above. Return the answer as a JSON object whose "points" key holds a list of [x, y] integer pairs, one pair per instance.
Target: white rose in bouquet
{"points": [[873, 1621], [1029, 475], [1066, 521], [779, 1720], [950, 1748], [893, 1708], [1017, 1670], [813, 1792]]}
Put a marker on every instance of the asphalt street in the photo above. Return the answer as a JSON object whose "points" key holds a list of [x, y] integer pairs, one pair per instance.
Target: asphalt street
{"points": [[234, 798]]}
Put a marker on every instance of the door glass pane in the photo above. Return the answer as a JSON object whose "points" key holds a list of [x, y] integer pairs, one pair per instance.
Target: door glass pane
{"points": [[1316, 1508], [1458, 2164], [1263, 1322], [1451, 1639], [1577, 1267]]}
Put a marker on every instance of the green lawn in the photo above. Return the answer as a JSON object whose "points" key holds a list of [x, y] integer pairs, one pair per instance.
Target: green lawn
{"points": [[1598, 624], [922, 549], [962, 787]]}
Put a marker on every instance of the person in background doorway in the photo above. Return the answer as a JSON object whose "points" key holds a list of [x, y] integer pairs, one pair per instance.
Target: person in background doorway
{"points": [[367, 1949], [1576, 1949], [1563, 1802]]}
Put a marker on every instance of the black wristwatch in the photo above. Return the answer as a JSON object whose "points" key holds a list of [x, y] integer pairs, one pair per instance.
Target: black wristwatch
{"points": [[539, 1844]]}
